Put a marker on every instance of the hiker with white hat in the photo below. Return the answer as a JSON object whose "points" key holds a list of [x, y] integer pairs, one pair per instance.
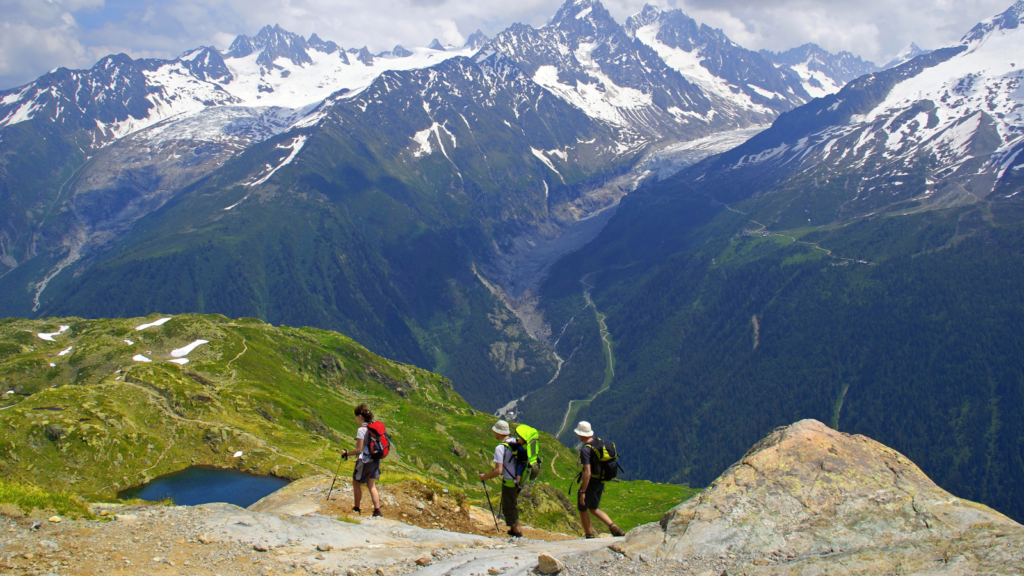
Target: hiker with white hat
{"points": [[591, 483], [505, 467]]}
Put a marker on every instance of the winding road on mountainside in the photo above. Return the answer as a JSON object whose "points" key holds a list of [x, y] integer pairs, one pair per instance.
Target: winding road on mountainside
{"points": [[609, 372], [795, 240]]}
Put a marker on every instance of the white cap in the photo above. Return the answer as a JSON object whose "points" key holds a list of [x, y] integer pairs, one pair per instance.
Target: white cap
{"points": [[584, 429], [502, 428]]}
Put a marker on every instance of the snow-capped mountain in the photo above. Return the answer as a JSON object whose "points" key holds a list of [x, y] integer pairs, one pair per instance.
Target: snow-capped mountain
{"points": [[275, 68], [623, 76], [732, 75], [942, 130], [906, 55], [580, 103], [119, 95], [584, 57], [821, 72], [476, 40]]}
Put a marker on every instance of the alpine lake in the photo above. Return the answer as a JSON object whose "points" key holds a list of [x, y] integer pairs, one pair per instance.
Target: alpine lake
{"points": [[205, 485]]}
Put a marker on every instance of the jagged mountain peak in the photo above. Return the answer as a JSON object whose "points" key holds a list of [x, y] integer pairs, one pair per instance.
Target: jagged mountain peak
{"points": [[649, 14], [709, 58], [587, 16], [273, 42], [476, 40], [206, 63], [675, 28], [327, 47], [907, 54], [435, 44], [822, 71], [1011, 19]]}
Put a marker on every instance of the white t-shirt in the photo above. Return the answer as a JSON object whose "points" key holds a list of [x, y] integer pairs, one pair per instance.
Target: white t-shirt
{"points": [[502, 456], [361, 435]]}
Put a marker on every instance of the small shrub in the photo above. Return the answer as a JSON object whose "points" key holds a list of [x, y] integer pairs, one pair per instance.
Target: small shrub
{"points": [[28, 498]]}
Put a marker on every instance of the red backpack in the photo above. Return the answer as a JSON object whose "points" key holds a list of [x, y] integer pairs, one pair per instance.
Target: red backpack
{"points": [[378, 439]]}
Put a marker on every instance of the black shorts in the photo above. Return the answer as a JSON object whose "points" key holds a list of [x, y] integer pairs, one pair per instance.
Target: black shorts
{"points": [[592, 499], [366, 471]]}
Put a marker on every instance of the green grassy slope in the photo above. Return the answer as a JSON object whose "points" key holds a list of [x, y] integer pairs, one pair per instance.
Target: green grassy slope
{"points": [[95, 421]]}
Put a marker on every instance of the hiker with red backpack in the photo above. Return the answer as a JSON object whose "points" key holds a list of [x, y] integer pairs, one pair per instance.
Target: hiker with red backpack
{"points": [[505, 467], [372, 444], [599, 460]]}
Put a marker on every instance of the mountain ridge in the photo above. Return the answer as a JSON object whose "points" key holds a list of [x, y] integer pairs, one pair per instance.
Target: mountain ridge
{"points": [[835, 266], [106, 185]]}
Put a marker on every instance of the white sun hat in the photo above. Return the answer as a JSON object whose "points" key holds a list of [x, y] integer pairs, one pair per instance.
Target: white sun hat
{"points": [[501, 428], [584, 429]]}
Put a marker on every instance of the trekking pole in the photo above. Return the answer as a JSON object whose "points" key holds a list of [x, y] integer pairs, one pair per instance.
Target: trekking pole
{"points": [[493, 517], [336, 472]]}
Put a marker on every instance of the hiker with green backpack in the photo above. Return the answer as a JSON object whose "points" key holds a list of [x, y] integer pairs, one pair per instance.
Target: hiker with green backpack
{"points": [[599, 460], [506, 467]]}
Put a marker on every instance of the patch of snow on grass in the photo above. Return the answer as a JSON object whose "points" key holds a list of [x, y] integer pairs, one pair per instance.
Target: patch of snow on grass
{"points": [[181, 361], [159, 322], [140, 358], [178, 353], [65, 352], [49, 337]]}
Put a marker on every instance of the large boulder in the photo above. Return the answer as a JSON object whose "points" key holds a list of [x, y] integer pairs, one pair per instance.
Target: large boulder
{"points": [[807, 494]]}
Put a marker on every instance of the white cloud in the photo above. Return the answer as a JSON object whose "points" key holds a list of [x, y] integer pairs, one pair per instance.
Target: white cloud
{"points": [[37, 35], [873, 29]]}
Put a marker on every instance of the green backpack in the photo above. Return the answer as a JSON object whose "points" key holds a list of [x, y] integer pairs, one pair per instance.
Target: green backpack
{"points": [[530, 438]]}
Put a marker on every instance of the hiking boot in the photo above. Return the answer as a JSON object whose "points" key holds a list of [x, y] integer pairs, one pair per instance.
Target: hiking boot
{"points": [[616, 531], [356, 510], [591, 535], [377, 514], [513, 534]]}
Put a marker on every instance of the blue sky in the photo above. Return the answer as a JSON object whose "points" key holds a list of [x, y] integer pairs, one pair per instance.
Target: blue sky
{"points": [[38, 35]]}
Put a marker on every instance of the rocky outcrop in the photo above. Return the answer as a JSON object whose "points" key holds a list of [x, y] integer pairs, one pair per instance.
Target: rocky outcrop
{"points": [[810, 496]]}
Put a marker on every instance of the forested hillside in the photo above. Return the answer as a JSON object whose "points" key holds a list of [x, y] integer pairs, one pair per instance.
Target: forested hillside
{"points": [[908, 332]]}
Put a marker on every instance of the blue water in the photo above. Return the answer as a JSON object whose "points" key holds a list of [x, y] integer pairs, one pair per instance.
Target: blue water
{"points": [[205, 484]]}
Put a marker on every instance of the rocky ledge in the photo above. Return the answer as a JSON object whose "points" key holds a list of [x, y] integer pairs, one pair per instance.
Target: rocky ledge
{"points": [[806, 500], [810, 500]]}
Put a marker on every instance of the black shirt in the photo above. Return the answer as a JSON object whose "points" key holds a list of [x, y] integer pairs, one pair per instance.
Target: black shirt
{"points": [[586, 453]]}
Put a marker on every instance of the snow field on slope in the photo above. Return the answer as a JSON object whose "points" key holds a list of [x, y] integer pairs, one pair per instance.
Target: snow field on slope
{"points": [[295, 146], [827, 85], [688, 64], [423, 138], [982, 79], [225, 124], [296, 86], [603, 100], [179, 93]]}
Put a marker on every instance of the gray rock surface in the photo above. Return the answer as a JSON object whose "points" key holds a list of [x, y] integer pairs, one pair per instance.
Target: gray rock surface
{"points": [[812, 498]]}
